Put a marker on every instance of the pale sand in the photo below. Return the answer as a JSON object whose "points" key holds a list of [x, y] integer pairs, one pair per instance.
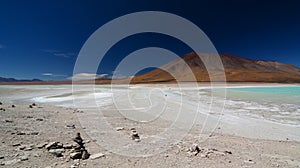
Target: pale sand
{"points": [[253, 143]]}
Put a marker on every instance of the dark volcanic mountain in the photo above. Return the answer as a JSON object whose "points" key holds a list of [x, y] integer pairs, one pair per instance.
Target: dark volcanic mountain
{"points": [[16, 80], [237, 69]]}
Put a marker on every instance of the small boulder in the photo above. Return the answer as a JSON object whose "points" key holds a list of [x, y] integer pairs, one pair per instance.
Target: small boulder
{"points": [[135, 136], [97, 155], [85, 154], [13, 106], [41, 145], [51, 145], [119, 128], [76, 155], [57, 152]]}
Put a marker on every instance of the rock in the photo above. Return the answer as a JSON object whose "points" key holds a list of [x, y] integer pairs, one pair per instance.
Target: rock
{"points": [[24, 157], [33, 133], [13, 106], [1, 157], [16, 144], [11, 162], [75, 155], [194, 150], [119, 128], [33, 104], [30, 106], [97, 155], [39, 119], [85, 154], [135, 136], [71, 126], [8, 121], [228, 152], [57, 152], [68, 146], [0, 103], [203, 156], [28, 148], [41, 145], [78, 139], [51, 145], [22, 147], [21, 133]]}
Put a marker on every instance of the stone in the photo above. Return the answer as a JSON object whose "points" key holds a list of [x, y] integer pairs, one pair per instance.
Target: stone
{"points": [[30, 106], [78, 139], [11, 162], [16, 144], [22, 147], [28, 148], [57, 152], [75, 155], [119, 128], [33, 104], [8, 121], [68, 146], [33, 133], [97, 156], [39, 119], [13, 106], [41, 145], [21, 133], [135, 136], [71, 126], [1, 157], [228, 152], [0, 103], [85, 154], [203, 156], [51, 145], [24, 157]]}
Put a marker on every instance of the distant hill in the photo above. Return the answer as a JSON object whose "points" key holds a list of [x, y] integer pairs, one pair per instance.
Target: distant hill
{"points": [[16, 80], [237, 69]]}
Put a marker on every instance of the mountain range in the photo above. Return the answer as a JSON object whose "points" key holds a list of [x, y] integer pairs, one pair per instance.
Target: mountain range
{"points": [[237, 69], [17, 80]]}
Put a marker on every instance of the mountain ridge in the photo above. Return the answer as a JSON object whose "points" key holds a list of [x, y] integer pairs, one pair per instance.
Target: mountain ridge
{"points": [[237, 69]]}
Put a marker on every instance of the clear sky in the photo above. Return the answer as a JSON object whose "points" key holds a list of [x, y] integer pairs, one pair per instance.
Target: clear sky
{"points": [[41, 39]]}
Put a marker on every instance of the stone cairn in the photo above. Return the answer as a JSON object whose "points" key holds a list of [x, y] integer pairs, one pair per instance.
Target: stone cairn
{"points": [[79, 151], [134, 135]]}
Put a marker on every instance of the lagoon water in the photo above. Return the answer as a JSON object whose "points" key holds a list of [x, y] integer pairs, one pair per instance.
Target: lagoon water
{"points": [[274, 103]]}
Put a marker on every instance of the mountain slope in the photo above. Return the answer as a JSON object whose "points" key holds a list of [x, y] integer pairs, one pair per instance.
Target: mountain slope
{"points": [[237, 69]]}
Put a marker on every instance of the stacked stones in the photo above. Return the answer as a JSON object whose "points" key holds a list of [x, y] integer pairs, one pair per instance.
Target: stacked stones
{"points": [[134, 135], [79, 151]]}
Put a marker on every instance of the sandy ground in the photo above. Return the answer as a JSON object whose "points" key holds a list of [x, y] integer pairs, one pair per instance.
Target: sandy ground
{"points": [[24, 131], [50, 124]]}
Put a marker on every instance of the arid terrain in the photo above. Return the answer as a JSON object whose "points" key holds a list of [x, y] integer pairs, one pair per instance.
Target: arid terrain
{"points": [[26, 129]]}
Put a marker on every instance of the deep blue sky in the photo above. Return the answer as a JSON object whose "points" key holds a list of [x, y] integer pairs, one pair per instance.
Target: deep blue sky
{"points": [[39, 37]]}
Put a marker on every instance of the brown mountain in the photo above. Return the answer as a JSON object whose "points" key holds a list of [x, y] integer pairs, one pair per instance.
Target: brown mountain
{"points": [[237, 69]]}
